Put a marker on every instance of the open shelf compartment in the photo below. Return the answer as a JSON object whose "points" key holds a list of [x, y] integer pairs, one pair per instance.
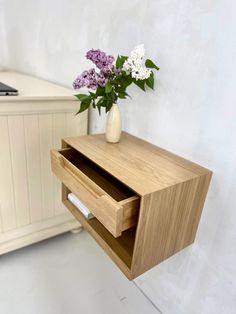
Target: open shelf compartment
{"points": [[119, 249]]}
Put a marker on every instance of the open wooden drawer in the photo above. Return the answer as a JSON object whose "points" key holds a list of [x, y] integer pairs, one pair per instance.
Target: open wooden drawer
{"points": [[111, 202]]}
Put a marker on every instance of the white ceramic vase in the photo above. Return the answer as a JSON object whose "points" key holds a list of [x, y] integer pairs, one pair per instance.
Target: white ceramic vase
{"points": [[113, 126]]}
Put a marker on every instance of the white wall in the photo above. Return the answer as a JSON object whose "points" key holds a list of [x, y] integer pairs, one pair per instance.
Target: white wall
{"points": [[192, 111]]}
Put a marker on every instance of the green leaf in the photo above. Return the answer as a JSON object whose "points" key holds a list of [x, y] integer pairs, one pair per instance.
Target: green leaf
{"points": [[109, 105], [93, 95], [112, 96], [120, 61], [83, 107], [101, 103], [100, 91], [151, 65], [84, 98], [123, 95], [126, 80], [99, 110], [93, 104], [140, 84], [108, 88], [150, 81]]}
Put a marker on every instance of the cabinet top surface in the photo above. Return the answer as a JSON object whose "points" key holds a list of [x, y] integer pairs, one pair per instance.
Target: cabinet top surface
{"points": [[31, 88], [143, 167]]}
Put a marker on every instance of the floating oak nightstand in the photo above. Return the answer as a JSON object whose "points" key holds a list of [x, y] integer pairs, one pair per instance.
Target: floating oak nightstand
{"points": [[147, 202]]}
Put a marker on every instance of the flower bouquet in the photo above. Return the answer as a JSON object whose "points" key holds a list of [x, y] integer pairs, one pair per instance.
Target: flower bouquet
{"points": [[110, 81]]}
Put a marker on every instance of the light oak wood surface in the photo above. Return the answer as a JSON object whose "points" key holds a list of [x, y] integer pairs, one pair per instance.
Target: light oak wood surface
{"points": [[169, 221], [112, 203], [168, 196], [134, 161]]}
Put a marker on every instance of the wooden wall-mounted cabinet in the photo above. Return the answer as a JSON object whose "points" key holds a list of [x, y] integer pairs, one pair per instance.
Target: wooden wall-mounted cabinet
{"points": [[147, 202]]}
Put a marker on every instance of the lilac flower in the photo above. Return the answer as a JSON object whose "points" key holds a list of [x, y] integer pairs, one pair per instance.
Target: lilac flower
{"points": [[90, 79], [101, 60]]}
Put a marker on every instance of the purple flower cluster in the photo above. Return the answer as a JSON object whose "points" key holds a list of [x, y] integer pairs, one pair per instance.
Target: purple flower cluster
{"points": [[90, 79], [102, 61]]}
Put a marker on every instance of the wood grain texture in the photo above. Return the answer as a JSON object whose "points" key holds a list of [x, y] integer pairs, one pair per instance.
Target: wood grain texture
{"points": [[134, 161], [95, 195], [130, 212], [168, 222], [119, 249], [171, 193]]}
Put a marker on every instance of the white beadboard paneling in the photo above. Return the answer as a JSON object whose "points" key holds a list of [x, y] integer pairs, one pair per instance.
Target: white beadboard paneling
{"points": [[59, 128], [19, 168], [31, 126], [76, 124], [59, 131], [46, 143], [7, 203]]}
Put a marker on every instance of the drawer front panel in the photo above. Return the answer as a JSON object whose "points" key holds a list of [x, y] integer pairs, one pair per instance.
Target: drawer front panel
{"points": [[108, 211]]}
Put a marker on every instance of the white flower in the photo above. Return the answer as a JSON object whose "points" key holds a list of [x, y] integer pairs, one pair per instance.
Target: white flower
{"points": [[127, 66], [141, 73], [137, 54], [133, 65]]}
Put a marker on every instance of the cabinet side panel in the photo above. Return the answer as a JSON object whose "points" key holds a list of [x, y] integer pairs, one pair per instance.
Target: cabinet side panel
{"points": [[7, 203], [19, 169], [32, 144], [46, 143], [168, 222], [76, 124]]}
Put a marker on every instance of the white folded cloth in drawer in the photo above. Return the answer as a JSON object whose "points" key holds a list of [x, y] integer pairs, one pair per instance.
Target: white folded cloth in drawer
{"points": [[81, 207]]}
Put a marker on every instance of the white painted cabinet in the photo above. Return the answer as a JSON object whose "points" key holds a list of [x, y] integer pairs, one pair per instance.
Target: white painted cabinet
{"points": [[30, 125]]}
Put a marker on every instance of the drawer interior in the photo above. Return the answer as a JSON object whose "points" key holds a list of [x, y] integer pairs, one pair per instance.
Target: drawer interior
{"points": [[117, 190]]}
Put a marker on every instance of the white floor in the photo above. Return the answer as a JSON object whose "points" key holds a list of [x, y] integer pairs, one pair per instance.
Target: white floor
{"points": [[66, 275]]}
